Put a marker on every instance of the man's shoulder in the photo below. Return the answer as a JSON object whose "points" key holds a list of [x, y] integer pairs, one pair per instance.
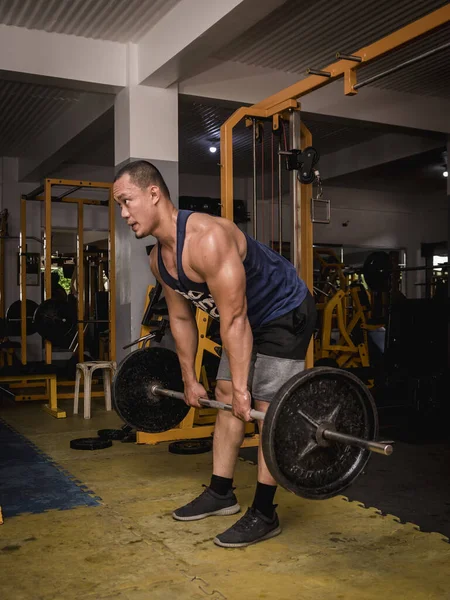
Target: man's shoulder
{"points": [[206, 228]]}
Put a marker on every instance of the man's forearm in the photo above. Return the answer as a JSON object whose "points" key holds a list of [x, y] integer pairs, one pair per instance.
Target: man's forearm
{"points": [[237, 339], [185, 334]]}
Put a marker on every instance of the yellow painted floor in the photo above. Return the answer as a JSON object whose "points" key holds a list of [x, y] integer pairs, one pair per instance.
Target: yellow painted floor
{"points": [[130, 548]]}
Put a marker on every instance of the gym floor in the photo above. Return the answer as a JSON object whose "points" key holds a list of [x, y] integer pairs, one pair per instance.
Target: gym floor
{"points": [[365, 545]]}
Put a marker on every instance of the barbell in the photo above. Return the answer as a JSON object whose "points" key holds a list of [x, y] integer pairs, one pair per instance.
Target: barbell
{"points": [[319, 430], [378, 269], [53, 320]]}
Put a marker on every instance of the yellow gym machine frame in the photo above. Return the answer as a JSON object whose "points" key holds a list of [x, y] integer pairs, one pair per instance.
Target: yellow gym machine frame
{"points": [[44, 193], [284, 105]]}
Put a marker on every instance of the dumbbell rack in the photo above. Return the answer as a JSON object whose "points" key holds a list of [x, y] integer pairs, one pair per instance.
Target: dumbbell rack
{"points": [[199, 422]]}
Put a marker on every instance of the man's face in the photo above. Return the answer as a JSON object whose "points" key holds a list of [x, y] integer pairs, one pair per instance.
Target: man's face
{"points": [[137, 205]]}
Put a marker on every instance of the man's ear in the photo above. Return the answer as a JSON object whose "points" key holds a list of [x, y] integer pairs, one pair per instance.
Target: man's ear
{"points": [[155, 193]]}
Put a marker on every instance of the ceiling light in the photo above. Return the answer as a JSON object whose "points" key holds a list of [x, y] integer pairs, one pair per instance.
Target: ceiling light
{"points": [[445, 173], [212, 149]]}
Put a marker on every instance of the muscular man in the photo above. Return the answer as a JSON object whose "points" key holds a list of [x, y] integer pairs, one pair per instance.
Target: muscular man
{"points": [[267, 317]]}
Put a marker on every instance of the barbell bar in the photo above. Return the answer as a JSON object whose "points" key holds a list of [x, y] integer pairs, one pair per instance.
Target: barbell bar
{"points": [[328, 434], [320, 428]]}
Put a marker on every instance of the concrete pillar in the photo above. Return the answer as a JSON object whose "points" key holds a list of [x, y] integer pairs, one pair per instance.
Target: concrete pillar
{"points": [[146, 127]]}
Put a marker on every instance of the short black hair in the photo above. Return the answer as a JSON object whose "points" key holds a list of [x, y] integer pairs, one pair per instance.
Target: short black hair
{"points": [[143, 174]]}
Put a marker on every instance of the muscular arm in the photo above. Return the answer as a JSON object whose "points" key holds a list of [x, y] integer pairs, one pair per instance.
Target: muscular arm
{"points": [[182, 325], [216, 258]]}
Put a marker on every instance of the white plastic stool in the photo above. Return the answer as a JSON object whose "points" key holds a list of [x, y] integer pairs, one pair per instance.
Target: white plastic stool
{"points": [[87, 369]]}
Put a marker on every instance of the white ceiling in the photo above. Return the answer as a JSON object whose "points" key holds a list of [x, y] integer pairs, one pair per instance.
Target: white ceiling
{"points": [[115, 20]]}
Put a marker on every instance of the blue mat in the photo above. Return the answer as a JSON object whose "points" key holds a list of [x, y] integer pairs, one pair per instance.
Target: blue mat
{"points": [[31, 482]]}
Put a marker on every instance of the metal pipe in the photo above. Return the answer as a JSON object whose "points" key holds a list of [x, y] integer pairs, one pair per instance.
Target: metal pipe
{"points": [[406, 63], [144, 338], [350, 440], [32, 195], [158, 391], [294, 144], [351, 57], [255, 189], [318, 72], [75, 189], [379, 447], [280, 202]]}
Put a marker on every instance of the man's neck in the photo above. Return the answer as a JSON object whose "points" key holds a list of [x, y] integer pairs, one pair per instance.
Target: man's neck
{"points": [[166, 231]]}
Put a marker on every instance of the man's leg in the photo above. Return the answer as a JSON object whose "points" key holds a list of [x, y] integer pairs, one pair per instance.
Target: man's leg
{"points": [[266, 486], [260, 522], [219, 498], [228, 434]]}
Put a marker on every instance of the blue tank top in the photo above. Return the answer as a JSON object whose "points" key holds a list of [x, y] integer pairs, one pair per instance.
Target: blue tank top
{"points": [[273, 286]]}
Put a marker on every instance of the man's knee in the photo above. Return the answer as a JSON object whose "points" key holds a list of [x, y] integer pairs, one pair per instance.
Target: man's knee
{"points": [[224, 392]]}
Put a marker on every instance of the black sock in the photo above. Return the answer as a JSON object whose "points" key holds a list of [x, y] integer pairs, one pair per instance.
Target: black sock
{"points": [[221, 485], [263, 500]]}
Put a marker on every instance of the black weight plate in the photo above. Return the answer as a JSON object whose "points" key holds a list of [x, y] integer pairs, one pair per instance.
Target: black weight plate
{"points": [[190, 446], [133, 399], [376, 271], [292, 455], [14, 316], [90, 443], [55, 322], [111, 434], [3, 328]]}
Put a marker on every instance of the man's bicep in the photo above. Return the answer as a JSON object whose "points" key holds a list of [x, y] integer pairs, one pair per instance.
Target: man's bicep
{"points": [[219, 262]]}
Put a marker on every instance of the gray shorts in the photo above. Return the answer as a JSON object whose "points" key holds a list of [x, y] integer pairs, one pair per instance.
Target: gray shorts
{"points": [[279, 351], [267, 374]]}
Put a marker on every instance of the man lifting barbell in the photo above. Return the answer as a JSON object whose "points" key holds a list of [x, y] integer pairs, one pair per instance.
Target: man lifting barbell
{"points": [[267, 317]]}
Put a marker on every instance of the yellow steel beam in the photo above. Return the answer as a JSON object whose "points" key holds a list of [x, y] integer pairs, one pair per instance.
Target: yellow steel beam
{"points": [[75, 200], [78, 183], [369, 53], [80, 281]]}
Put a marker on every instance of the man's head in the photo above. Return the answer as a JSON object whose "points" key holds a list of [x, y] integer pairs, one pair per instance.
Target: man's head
{"points": [[140, 189]]}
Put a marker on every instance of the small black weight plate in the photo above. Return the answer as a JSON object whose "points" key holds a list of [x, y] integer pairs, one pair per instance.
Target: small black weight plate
{"points": [[90, 443], [111, 434], [54, 321], [14, 316], [133, 399], [190, 446], [290, 448]]}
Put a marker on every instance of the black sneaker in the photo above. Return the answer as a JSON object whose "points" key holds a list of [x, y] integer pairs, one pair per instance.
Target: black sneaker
{"points": [[253, 527], [207, 504]]}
